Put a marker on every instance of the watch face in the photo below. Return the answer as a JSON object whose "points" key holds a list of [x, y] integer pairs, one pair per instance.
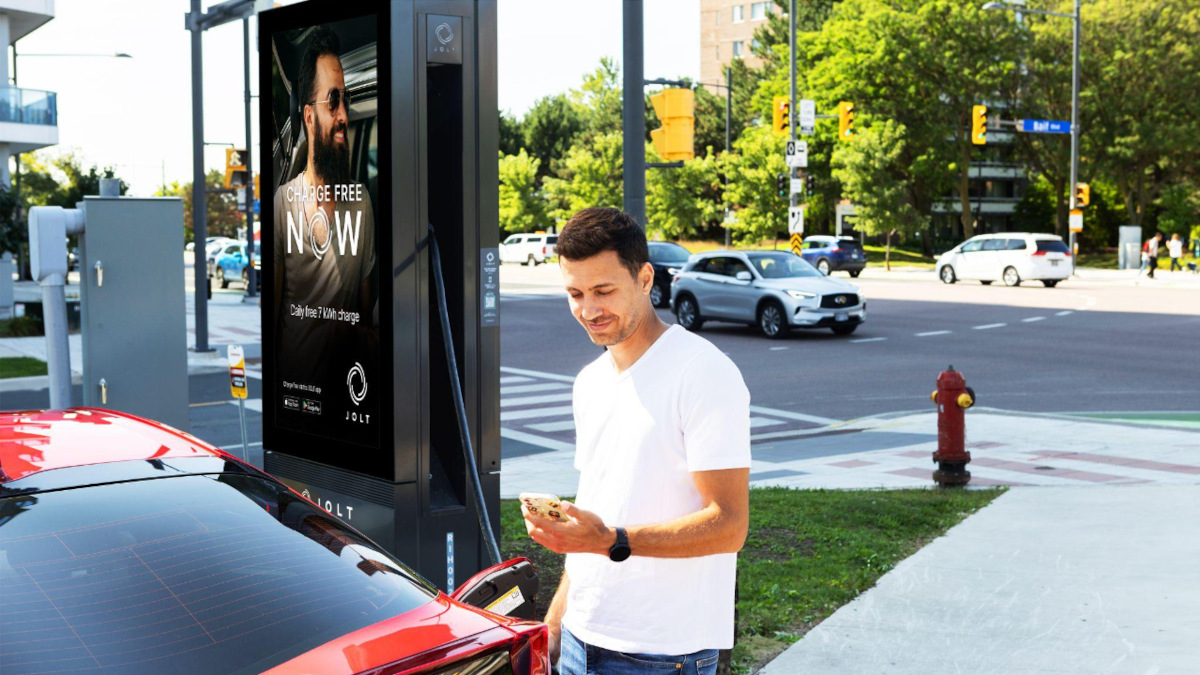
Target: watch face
{"points": [[618, 553]]}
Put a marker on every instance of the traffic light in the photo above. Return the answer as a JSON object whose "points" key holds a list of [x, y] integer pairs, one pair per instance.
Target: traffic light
{"points": [[781, 185], [780, 115], [676, 110], [845, 121], [810, 185], [235, 167], [979, 125], [1083, 195]]}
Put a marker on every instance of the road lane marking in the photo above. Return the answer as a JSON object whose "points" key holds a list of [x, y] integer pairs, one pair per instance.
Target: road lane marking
{"points": [[238, 446], [934, 332], [990, 325], [529, 388], [778, 349], [514, 379], [789, 415], [206, 403], [254, 404], [879, 339], [756, 422], [1063, 313], [536, 412], [1033, 318]]}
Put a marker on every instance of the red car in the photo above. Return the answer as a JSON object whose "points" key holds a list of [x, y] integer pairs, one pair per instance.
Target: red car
{"points": [[130, 547]]}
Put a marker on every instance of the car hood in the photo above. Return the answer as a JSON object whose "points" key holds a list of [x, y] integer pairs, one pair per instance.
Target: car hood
{"points": [[818, 285]]}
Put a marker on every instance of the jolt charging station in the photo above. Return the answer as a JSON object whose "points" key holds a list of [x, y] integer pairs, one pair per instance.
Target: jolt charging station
{"points": [[379, 122]]}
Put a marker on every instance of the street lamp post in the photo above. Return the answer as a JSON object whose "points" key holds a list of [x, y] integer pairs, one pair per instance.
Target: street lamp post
{"points": [[1075, 36]]}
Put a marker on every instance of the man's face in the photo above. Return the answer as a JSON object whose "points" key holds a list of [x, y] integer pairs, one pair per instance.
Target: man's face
{"points": [[605, 299], [327, 128]]}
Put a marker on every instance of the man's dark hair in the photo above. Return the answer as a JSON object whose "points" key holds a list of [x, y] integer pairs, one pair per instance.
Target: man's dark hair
{"points": [[322, 41], [596, 230]]}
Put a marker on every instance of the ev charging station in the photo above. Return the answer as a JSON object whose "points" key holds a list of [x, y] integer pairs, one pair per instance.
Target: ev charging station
{"points": [[379, 131]]}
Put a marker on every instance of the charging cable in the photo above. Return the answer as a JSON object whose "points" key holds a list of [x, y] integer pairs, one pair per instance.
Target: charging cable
{"points": [[485, 524]]}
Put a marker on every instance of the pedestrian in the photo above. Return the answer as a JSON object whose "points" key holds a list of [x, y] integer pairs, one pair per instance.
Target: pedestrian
{"points": [[1145, 257], [1175, 250], [662, 444], [1152, 253]]}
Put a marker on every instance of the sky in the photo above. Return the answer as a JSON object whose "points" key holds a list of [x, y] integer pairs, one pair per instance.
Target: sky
{"points": [[135, 114]]}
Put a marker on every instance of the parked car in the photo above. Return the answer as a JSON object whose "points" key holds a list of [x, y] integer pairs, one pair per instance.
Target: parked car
{"points": [[214, 247], [130, 547], [530, 249], [1011, 257], [667, 258], [230, 263], [774, 290], [832, 254]]}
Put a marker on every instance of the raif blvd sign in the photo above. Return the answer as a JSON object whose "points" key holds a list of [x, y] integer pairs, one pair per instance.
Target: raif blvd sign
{"points": [[1044, 126]]}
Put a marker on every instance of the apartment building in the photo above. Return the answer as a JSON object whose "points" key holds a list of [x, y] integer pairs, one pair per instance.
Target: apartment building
{"points": [[28, 117], [727, 32]]}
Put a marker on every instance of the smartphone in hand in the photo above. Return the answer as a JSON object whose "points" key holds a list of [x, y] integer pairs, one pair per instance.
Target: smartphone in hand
{"points": [[544, 505]]}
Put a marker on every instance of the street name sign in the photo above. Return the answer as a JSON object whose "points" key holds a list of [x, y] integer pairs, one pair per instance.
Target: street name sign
{"points": [[796, 154], [808, 116], [1044, 126], [795, 220], [797, 186]]}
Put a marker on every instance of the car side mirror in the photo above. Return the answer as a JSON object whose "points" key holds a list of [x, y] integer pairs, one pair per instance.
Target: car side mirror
{"points": [[744, 276], [508, 589]]}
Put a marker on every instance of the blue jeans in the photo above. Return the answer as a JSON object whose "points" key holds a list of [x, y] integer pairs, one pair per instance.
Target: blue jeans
{"points": [[579, 658]]}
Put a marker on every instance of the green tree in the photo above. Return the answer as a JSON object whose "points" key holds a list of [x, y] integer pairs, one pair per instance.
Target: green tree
{"points": [[522, 209], [222, 217], [591, 175], [1140, 76], [679, 202], [599, 100], [550, 129], [869, 170], [759, 213], [512, 134]]}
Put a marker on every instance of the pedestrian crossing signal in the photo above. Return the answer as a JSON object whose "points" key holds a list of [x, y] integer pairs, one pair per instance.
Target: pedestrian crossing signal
{"points": [[235, 167], [979, 125]]}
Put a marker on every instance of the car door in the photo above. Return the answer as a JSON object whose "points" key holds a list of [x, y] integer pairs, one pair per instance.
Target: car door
{"points": [[230, 262], [742, 296], [509, 247], [969, 259], [992, 258], [710, 287]]}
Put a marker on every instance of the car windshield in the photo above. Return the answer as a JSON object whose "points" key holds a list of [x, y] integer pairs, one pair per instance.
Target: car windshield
{"points": [[191, 574], [668, 253], [782, 266]]}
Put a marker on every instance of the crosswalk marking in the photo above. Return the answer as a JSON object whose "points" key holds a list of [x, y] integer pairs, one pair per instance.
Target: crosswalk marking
{"points": [[534, 413], [550, 427], [789, 415], [534, 439], [534, 400], [756, 422], [514, 379], [530, 388], [537, 373], [933, 332]]}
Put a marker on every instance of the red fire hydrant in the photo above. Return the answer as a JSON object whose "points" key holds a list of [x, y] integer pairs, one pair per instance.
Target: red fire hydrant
{"points": [[952, 397]]}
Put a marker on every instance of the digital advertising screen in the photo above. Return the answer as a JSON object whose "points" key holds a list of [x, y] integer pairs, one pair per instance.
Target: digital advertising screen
{"points": [[323, 225]]}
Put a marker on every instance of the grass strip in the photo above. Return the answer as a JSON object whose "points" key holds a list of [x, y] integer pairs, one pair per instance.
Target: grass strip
{"points": [[808, 553], [21, 366]]}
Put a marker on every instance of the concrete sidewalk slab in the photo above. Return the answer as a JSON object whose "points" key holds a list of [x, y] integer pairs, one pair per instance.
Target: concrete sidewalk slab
{"points": [[1046, 580]]}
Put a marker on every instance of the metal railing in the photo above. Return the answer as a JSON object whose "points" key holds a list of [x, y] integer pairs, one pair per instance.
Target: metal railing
{"points": [[28, 106]]}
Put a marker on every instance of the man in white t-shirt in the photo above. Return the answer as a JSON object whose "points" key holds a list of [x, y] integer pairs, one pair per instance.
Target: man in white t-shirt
{"points": [[662, 428]]}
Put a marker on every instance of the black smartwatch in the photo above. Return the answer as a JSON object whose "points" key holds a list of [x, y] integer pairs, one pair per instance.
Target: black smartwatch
{"points": [[620, 550]]}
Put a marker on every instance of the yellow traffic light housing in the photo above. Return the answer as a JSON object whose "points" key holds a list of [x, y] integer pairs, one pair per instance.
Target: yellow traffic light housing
{"points": [[1083, 194], [979, 125], [845, 121], [676, 110], [235, 167], [780, 115]]}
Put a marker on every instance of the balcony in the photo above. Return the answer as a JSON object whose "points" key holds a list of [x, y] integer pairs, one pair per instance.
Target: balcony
{"points": [[28, 119], [28, 106]]}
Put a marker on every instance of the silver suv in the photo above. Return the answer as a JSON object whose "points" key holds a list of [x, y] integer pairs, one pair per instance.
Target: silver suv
{"points": [[775, 290]]}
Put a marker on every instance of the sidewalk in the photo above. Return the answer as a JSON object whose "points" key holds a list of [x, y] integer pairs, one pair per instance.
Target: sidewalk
{"points": [[1087, 565]]}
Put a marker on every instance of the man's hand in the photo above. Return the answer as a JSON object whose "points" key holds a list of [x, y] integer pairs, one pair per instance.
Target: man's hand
{"points": [[582, 531]]}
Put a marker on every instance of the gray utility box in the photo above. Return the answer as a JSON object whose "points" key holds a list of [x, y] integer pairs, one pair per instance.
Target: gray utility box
{"points": [[134, 325]]}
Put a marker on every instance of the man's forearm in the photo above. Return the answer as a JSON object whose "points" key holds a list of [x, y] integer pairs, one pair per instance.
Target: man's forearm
{"points": [[709, 531]]}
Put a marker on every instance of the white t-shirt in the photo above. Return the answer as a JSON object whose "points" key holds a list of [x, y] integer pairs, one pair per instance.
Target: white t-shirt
{"points": [[682, 407], [1175, 248]]}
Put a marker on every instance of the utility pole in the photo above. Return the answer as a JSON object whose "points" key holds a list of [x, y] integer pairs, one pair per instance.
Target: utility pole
{"points": [[1074, 120], [793, 172], [634, 113], [199, 196], [728, 143], [251, 273]]}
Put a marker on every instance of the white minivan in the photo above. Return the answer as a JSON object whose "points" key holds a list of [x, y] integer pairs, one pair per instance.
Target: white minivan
{"points": [[1011, 257], [530, 249]]}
